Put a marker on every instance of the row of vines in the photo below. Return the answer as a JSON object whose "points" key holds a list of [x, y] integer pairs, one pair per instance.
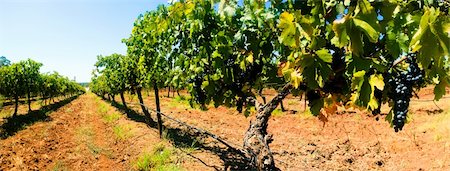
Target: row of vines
{"points": [[360, 53], [24, 80]]}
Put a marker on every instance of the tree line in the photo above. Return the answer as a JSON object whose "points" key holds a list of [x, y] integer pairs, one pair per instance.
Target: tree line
{"points": [[24, 80]]}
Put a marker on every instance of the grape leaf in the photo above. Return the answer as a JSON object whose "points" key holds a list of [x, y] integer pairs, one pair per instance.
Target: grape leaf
{"points": [[340, 38], [368, 29], [288, 28], [315, 106], [439, 89], [375, 80], [324, 55]]}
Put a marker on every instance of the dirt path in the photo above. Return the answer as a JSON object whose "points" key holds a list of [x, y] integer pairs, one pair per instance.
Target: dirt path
{"points": [[86, 134]]}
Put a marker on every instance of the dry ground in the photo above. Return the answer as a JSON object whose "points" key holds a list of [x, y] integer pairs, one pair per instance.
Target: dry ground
{"points": [[350, 140], [89, 134], [86, 134]]}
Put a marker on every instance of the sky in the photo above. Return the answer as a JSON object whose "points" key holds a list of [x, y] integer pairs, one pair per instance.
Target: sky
{"points": [[67, 35]]}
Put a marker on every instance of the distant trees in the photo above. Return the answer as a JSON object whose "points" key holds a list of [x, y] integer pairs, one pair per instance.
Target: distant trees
{"points": [[23, 79], [4, 61]]}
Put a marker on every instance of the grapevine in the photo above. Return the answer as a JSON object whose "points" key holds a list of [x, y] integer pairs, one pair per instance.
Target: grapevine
{"points": [[336, 52]]}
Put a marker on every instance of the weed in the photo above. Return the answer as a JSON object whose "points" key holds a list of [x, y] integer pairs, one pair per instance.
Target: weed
{"points": [[110, 118], [59, 166], [4, 113], [69, 110], [102, 109], [292, 102], [85, 132], [123, 132], [93, 148], [181, 98], [159, 159], [277, 113], [85, 135], [180, 102], [306, 114]]}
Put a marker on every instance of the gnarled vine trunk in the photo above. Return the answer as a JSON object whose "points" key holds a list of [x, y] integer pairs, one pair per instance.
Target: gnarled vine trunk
{"points": [[29, 101], [256, 140], [123, 100], [16, 99], [158, 108]]}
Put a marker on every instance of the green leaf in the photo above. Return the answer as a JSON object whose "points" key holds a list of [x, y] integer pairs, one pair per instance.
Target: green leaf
{"points": [[368, 29], [307, 29], [439, 89], [356, 44], [365, 12], [389, 117], [423, 27], [357, 84], [316, 106]]}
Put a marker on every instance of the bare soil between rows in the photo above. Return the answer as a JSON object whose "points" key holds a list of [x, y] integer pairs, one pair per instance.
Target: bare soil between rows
{"points": [[76, 137]]}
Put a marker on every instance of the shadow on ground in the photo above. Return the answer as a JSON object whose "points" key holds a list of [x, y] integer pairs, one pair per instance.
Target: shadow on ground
{"points": [[16, 123], [23, 101], [184, 137]]}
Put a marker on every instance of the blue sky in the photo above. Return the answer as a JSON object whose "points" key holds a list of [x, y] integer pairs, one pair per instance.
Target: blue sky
{"points": [[67, 35]]}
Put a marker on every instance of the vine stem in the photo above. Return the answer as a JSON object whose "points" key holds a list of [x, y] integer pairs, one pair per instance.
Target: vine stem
{"points": [[398, 61]]}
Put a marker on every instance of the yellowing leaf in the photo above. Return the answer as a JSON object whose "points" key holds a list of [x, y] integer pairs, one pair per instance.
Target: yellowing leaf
{"points": [[331, 109], [359, 74], [205, 84], [250, 57], [324, 55], [340, 30], [354, 97], [376, 80], [288, 28], [296, 78]]}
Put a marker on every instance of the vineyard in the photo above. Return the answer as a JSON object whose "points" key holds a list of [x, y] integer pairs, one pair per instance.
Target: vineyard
{"points": [[245, 85]]}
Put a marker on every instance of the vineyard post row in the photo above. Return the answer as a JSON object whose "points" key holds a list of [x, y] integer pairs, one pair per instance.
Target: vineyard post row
{"points": [[337, 53]]}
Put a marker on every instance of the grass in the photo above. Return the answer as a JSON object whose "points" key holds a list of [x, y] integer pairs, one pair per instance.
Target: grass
{"points": [[306, 114], [6, 112], [160, 158], [85, 135], [277, 113], [85, 132], [102, 109], [123, 132], [111, 118], [180, 102], [1, 101], [292, 102], [59, 166]]}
